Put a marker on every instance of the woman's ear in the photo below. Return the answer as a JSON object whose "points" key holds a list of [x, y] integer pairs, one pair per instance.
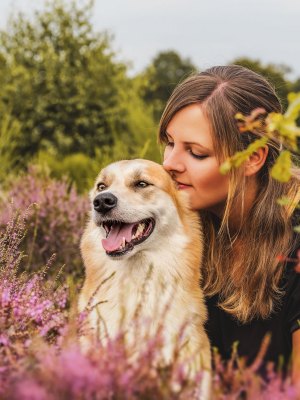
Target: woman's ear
{"points": [[256, 161]]}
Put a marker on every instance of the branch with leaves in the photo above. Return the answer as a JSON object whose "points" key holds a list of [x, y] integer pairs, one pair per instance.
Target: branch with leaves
{"points": [[275, 126], [281, 128]]}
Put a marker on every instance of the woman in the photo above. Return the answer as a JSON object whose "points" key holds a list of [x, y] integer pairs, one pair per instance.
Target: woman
{"points": [[250, 292]]}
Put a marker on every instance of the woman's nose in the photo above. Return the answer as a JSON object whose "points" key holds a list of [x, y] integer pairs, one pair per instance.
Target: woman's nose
{"points": [[172, 162]]}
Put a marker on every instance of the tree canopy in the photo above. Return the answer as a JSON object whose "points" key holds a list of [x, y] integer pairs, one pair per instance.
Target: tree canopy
{"points": [[159, 79], [62, 83], [67, 101]]}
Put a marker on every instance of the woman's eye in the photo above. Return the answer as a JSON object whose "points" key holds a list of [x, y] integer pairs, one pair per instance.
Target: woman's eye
{"points": [[170, 143], [101, 186], [198, 156], [142, 184]]}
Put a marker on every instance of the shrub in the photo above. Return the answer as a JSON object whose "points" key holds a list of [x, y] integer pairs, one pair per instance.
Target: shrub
{"points": [[29, 305], [55, 219], [40, 358]]}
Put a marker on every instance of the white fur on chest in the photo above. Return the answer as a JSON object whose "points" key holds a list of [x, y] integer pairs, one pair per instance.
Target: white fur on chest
{"points": [[146, 284]]}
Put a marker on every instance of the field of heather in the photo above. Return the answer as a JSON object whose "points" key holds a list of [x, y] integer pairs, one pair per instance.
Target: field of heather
{"points": [[40, 276]]}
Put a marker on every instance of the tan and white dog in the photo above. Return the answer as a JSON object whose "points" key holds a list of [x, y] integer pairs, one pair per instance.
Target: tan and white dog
{"points": [[140, 222]]}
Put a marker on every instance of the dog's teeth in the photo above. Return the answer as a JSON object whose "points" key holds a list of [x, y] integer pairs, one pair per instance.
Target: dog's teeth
{"points": [[123, 243], [140, 228]]}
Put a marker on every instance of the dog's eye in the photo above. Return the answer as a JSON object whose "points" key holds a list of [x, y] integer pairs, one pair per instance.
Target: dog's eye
{"points": [[142, 184], [101, 186]]}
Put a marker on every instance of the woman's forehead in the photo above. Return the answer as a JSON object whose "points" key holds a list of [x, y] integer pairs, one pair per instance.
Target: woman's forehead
{"points": [[190, 125]]}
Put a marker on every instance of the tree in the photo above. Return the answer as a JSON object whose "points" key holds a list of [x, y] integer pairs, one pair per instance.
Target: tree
{"points": [[9, 139], [159, 79], [296, 86], [62, 83]]}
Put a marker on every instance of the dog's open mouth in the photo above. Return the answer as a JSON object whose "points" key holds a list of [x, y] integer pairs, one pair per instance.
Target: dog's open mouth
{"points": [[121, 237]]}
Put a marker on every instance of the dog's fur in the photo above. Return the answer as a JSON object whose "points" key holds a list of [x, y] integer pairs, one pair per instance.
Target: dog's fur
{"points": [[158, 277]]}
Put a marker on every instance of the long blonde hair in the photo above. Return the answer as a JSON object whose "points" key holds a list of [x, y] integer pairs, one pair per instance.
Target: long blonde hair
{"points": [[248, 284]]}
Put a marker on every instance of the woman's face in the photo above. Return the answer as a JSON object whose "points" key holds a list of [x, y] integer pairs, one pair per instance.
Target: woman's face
{"points": [[190, 158]]}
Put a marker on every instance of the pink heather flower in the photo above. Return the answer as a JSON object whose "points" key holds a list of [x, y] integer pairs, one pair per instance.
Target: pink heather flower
{"points": [[28, 305], [30, 390], [4, 340], [55, 216], [41, 360]]}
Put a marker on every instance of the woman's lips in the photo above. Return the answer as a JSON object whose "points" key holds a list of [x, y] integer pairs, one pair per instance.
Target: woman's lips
{"points": [[181, 186]]}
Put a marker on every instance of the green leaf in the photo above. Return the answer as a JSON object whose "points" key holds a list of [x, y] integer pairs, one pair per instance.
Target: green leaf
{"points": [[225, 167], [242, 156], [293, 111], [282, 168], [285, 125], [286, 201]]}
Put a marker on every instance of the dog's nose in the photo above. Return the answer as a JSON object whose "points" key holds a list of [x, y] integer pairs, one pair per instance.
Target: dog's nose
{"points": [[104, 202]]}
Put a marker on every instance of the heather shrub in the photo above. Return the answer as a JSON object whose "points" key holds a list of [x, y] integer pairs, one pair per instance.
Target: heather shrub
{"points": [[104, 374], [107, 373], [39, 353], [55, 219], [30, 305], [9, 139], [40, 358]]}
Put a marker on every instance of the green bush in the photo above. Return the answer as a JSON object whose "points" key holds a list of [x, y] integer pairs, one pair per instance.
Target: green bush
{"points": [[62, 81]]}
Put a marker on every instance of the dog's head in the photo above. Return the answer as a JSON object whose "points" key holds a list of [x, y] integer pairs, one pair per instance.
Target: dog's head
{"points": [[134, 203]]}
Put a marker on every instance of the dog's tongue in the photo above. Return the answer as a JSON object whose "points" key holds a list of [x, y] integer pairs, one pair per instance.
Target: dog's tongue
{"points": [[115, 236]]}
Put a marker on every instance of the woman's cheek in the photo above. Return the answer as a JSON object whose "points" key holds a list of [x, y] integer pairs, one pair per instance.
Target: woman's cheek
{"points": [[167, 152]]}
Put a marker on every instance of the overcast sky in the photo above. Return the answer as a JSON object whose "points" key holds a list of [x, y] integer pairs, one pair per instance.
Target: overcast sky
{"points": [[209, 32]]}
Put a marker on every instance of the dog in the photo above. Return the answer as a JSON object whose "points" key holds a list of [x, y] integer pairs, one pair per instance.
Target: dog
{"points": [[142, 250]]}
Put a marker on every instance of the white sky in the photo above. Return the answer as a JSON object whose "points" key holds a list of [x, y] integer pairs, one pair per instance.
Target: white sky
{"points": [[208, 31]]}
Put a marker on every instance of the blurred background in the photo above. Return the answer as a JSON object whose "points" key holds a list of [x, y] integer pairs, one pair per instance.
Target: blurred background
{"points": [[84, 83]]}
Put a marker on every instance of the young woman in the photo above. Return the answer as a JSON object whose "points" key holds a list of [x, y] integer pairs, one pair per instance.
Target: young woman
{"points": [[250, 291]]}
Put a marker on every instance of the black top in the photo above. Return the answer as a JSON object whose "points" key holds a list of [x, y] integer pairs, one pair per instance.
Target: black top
{"points": [[223, 330]]}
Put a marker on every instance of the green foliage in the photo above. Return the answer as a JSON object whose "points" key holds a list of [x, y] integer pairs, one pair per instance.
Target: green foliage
{"points": [[285, 201], [9, 139], [77, 168], [282, 127], [242, 156], [285, 124], [296, 86], [63, 84], [282, 168], [142, 143], [81, 169], [159, 79]]}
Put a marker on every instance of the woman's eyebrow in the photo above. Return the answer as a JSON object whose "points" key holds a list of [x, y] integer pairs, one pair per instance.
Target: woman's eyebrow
{"points": [[194, 143]]}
